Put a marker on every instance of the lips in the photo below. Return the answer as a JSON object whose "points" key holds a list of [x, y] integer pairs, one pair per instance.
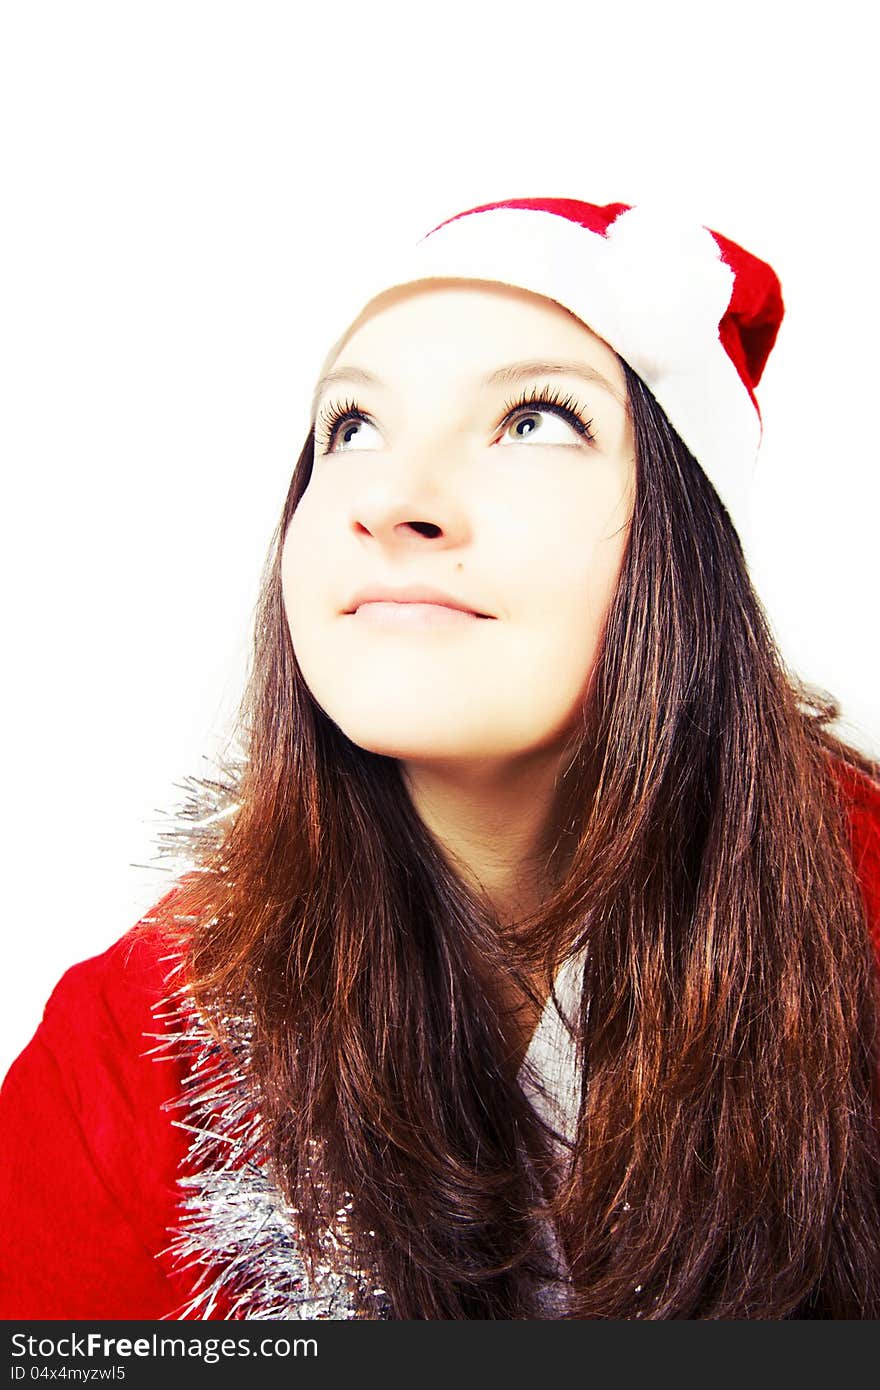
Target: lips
{"points": [[412, 593]]}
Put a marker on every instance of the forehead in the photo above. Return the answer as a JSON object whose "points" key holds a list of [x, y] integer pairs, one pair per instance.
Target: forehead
{"points": [[465, 329]]}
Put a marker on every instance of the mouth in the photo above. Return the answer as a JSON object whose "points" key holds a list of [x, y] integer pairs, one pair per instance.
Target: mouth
{"points": [[392, 600], [411, 614]]}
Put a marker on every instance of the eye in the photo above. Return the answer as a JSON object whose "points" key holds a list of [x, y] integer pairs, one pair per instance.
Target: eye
{"points": [[338, 429], [532, 417], [537, 423]]}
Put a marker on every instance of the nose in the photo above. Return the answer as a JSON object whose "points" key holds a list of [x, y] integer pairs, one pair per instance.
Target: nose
{"points": [[403, 503]]}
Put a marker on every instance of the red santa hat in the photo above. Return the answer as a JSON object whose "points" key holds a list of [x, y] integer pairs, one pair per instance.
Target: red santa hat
{"points": [[692, 313]]}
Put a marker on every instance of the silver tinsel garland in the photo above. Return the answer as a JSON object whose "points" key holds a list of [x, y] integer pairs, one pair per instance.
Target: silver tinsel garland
{"points": [[237, 1231], [237, 1234]]}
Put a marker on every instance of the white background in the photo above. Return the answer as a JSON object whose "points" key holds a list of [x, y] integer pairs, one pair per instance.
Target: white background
{"points": [[186, 186]]}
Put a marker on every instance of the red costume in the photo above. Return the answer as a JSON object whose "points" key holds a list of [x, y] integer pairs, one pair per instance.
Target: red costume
{"points": [[89, 1191]]}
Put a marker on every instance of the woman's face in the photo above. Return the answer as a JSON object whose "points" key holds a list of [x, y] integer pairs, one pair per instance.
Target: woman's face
{"points": [[520, 514]]}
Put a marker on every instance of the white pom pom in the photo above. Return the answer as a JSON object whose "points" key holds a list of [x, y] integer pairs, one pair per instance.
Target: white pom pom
{"points": [[671, 284]]}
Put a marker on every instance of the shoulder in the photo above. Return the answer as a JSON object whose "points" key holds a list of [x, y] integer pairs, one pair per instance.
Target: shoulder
{"points": [[97, 1048], [109, 999], [90, 1154]]}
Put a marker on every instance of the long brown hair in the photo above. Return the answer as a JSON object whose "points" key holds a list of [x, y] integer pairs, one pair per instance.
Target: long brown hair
{"points": [[727, 1157]]}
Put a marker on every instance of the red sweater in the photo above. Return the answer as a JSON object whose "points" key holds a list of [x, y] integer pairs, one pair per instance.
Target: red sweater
{"points": [[88, 1186]]}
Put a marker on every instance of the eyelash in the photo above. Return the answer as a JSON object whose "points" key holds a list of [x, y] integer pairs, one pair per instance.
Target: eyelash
{"points": [[566, 407]]}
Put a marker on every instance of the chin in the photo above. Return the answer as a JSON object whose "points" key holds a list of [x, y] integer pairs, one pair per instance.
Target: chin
{"points": [[425, 748], [388, 744]]}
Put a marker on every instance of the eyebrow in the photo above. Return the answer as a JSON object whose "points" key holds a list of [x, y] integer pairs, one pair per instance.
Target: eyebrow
{"points": [[509, 375]]}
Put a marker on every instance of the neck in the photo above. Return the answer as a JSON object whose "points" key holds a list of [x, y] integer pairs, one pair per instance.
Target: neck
{"points": [[495, 825]]}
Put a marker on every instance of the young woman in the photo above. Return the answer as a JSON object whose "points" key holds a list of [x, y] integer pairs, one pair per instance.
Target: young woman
{"points": [[524, 963]]}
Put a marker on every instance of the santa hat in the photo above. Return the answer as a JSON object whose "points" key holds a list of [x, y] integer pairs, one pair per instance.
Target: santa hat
{"points": [[692, 313]]}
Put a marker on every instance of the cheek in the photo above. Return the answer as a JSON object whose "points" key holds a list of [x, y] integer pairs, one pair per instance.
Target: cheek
{"points": [[567, 638], [302, 569], [569, 549], [569, 604]]}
